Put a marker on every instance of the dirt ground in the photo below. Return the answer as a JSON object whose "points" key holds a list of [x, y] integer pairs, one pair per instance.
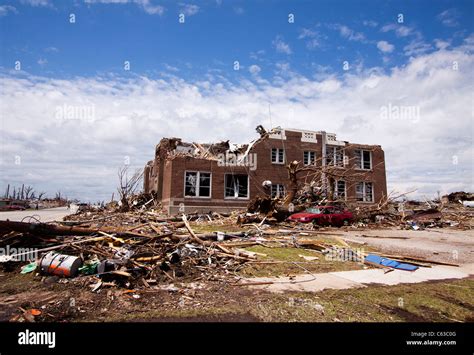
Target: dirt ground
{"points": [[449, 300], [447, 245], [74, 300]]}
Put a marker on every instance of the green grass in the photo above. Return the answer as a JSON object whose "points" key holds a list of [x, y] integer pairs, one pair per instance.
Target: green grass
{"points": [[291, 255], [436, 301], [416, 302], [427, 302], [209, 228]]}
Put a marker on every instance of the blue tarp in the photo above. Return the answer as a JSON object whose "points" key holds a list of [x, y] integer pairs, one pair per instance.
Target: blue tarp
{"points": [[389, 262]]}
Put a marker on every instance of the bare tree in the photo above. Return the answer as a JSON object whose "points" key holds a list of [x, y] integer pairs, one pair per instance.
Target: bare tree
{"points": [[40, 195], [324, 176], [29, 192], [128, 185]]}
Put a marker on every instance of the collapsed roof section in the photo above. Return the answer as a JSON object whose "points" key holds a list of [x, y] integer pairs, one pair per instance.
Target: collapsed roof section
{"points": [[169, 148]]}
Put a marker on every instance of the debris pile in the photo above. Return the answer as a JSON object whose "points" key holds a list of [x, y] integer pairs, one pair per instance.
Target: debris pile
{"points": [[389, 213], [127, 250]]}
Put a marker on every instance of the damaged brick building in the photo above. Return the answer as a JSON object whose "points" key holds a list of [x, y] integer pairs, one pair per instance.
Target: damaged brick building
{"points": [[283, 163]]}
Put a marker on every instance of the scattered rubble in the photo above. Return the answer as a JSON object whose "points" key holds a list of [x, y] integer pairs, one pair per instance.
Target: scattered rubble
{"points": [[145, 250]]}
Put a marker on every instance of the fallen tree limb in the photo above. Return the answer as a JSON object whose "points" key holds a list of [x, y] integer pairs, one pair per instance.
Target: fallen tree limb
{"points": [[54, 230], [191, 232]]}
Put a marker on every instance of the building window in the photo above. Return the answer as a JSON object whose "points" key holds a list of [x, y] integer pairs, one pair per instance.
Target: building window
{"points": [[236, 186], [340, 190], [278, 191], [363, 159], [278, 156], [197, 184], [364, 192], [309, 158], [334, 156]]}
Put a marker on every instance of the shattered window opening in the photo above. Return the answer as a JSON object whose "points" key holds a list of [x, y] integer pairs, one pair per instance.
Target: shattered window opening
{"points": [[340, 189], [236, 186], [278, 191], [363, 159], [309, 158], [364, 192], [334, 156], [278, 156], [197, 184]]}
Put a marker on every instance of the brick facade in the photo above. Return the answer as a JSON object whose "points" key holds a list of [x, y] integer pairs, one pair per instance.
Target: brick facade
{"points": [[166, 176]]}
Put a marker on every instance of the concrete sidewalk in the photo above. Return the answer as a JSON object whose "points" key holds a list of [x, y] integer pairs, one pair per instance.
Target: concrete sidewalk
{"points": [[43, 215], [361, 278]]}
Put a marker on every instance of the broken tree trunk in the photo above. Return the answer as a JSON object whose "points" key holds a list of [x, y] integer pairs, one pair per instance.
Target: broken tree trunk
{"points": [[51, 229]]}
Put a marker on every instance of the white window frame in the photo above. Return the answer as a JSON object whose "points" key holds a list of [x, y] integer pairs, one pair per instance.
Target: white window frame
{"points": [[361, 161], [336, 188], [309, 152], [278, 187], [364, 192], [334, 156], [198, 179], [233, 197], [277, 156]]}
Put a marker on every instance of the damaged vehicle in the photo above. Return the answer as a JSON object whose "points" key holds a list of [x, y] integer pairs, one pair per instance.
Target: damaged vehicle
{"points": [[324, 216]]}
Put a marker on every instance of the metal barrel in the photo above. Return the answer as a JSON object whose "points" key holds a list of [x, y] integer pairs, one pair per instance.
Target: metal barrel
{"points": [[60, 264]]}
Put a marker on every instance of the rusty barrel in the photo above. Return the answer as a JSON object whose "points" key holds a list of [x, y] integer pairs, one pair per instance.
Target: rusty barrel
{"points": [[60, 264]]}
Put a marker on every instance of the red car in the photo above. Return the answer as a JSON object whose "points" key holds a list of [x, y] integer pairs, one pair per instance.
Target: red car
{"points": [[324, 215]]}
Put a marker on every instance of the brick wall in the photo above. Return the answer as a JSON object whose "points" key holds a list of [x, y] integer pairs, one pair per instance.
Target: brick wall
{"points": [[173, 175]]}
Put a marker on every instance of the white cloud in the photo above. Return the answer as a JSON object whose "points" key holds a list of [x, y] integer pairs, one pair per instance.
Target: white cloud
{"points": [[36, 3], [449, 17], [258, 55], [171, 68], [149, 8], [80, 156], [306, 33], [51, 50], [313, 38], [417, 47], [385, 47], [313, 44], [281, 46], [254, 69], [441, 44], [146, 5], [189, 9], [370, 23], [5, 9], [400, 30], [239, 10], [348, 33], [42, 62]]}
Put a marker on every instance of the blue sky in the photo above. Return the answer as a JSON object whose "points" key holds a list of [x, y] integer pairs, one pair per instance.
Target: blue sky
{"points": [[332, 68], [215, 34]]}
